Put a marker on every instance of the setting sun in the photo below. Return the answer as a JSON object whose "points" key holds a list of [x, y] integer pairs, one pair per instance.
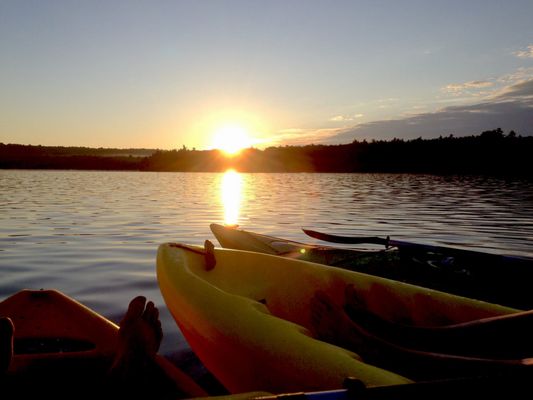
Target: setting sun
{"points": [[231, 139]]}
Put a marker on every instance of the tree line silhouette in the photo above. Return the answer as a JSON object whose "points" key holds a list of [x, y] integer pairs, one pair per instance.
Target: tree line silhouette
{"points": [[59, 157], [491, 153]]}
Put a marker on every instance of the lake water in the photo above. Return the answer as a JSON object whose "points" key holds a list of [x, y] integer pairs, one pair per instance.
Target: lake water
{"points": [[94, 235]]}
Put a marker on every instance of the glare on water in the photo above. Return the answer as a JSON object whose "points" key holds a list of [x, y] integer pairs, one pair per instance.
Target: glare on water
{"points": [[230, 194]]}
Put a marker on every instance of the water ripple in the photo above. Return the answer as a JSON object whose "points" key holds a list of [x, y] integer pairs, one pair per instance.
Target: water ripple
{"points": [[94, 235]]}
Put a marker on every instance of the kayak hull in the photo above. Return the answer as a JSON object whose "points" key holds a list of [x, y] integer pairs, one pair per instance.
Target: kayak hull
{"points": [[248, 318]]}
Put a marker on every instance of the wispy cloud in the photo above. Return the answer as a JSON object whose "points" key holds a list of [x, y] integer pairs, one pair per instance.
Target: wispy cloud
{"points": [[522, 91], [470, 108], [461, 88], [509, 108], [301, 136], [527, 53], [521, 74], [344, 118], [487, 88]]}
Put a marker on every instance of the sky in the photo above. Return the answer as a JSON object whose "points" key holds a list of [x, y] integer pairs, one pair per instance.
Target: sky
{"points": [[167, 74]]}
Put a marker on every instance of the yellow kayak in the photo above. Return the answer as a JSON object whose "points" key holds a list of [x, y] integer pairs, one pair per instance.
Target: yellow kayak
{"points": [[247, 316]]}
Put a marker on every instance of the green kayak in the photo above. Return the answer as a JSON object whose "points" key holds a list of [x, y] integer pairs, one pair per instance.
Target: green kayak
{"points": [[493, 278]]}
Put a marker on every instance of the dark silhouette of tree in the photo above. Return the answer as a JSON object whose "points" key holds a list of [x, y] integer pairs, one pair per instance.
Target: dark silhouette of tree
{"points": [[490, 153]]}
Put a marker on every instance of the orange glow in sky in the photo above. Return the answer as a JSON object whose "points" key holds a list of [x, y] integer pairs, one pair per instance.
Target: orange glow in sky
{"points": [[168, 74]]}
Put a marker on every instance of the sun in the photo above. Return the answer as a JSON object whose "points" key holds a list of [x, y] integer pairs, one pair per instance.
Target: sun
{"points": [[231, 139]]}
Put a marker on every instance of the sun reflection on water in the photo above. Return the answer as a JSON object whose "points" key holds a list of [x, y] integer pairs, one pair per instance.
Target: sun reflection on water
{"points": [[231, 193]]}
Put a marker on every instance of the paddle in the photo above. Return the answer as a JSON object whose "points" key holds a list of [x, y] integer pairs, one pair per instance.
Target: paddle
{"points": [[450, 251], [387, 242], [347, 239]]}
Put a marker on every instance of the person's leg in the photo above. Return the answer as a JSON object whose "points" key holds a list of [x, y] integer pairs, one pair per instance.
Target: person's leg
{"points": [[137, 369], [139, 337]]}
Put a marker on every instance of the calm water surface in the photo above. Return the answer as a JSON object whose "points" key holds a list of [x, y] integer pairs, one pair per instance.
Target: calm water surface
{"points": [[94, 235]]}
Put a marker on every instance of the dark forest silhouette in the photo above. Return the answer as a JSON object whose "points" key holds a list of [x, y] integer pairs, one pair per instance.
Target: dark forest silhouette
{"points": [[491, 153]]}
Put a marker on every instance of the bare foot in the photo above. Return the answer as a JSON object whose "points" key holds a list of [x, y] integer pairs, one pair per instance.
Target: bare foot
{"points": [[137, 370], [140, 329], [6, 343], [139, 339]]}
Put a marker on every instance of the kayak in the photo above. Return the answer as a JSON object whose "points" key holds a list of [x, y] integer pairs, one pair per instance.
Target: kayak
{"points": [[497, 279], [59, 341], [233, 238], [247, 316], [51, 329]]}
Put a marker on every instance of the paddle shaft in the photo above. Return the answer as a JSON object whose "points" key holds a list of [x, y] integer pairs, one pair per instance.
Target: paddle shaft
{"points": [[404, 245]]}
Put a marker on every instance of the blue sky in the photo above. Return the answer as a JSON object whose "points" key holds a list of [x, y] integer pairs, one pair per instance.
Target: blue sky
{"points": [[163, 74]]}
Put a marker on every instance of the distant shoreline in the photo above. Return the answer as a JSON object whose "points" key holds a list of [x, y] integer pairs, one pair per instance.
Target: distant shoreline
{"points": [[490, 153]]}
